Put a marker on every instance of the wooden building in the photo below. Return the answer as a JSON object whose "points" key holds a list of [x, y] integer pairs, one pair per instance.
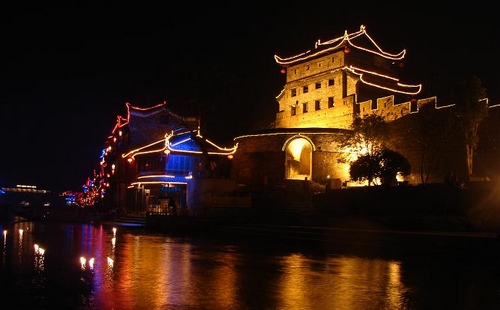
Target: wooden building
{"points": [[157, 161]]}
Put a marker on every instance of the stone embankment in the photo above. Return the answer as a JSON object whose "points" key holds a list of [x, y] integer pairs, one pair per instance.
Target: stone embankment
{"points": [[428, 207], [421, 218]]}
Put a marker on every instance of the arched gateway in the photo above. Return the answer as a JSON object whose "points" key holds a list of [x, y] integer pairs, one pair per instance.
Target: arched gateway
{"points": [[298, 159]]}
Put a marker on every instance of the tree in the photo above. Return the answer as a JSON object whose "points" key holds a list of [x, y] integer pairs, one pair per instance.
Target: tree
{"points": [[392, 163], [472, 109], [367, 135], [384, 164], [366, 167], [362, 145], [373, 160]]}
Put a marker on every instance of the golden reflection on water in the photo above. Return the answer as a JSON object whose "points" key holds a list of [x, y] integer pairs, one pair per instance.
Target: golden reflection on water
{"points": [[340, 283], [160, 272], [155, 274]]}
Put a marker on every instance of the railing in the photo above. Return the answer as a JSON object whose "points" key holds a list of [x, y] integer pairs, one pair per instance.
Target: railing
{"points": [[228, 201], [159, 210], [166, 210]]}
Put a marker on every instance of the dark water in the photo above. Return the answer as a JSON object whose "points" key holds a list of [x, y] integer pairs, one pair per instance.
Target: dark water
{"points": [[136, 269]]}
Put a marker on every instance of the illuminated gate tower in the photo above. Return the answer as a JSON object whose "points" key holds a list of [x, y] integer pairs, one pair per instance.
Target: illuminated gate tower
{"points": [[325, 88]]}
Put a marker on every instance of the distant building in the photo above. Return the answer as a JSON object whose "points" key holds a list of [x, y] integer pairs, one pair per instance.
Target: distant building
{"points": [[28, 201], [326, 87]]}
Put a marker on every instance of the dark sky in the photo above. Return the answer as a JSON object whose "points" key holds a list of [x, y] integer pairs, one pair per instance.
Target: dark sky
{"points": [[68, 70]]}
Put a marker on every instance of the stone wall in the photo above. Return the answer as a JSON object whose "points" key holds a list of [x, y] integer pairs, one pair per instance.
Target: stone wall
{"points": [[431, 145]]}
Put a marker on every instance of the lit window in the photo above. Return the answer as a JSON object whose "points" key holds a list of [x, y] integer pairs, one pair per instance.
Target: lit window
{"points": [[331, 103]]}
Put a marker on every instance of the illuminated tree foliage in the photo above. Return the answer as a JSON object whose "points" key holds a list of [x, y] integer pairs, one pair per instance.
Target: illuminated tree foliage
{"points": [[373, 161], [367, 136]]}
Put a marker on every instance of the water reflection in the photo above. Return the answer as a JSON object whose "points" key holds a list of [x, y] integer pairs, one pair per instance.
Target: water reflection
{"points": [[80, 266]]}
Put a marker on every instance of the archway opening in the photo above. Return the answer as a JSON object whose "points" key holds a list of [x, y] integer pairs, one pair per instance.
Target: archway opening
{"points": [[298, 161]]}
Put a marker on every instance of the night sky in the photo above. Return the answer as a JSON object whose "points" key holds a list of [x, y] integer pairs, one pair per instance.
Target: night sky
{"points": [[68, 70]]}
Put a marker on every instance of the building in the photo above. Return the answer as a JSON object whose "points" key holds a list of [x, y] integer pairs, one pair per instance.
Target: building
{"points": [[154, 157], [158, 162], [29, 201], [325, 88]]}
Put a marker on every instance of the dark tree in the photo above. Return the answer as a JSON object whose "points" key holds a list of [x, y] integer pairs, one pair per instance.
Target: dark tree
{"points": [[384, 165], [469, 97], [392, 163], [366, 167], [472, 109]]}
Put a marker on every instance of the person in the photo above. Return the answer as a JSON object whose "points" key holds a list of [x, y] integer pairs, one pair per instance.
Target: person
{"points": [[306, 187], [451, 179], [172, 205]]}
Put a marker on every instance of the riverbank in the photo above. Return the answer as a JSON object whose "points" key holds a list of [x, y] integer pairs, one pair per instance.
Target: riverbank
{"points": [[431, 207]]}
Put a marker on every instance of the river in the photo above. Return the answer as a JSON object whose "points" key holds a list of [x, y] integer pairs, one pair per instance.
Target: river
{"points": [[48, 265]]}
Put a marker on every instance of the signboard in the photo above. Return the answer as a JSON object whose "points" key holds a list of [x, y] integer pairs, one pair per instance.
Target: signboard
{"points": [[170, 189]]}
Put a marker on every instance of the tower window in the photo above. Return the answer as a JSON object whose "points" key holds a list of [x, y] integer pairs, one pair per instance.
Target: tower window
{"points": [[294, 110], [413, 106], [331, 103], [331, 82], [305, 89], [317, 105], [318, 85], [304, 107], [294, 92]]}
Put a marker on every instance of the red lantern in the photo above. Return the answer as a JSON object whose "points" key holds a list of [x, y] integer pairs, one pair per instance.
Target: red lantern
{"points": [[401, 64], [347, 50], [283, 70]]}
